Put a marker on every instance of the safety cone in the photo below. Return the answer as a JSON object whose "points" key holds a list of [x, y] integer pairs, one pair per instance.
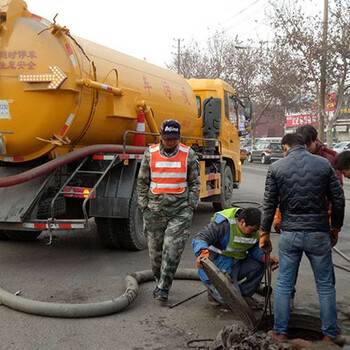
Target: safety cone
{"points": [[140, 139]]}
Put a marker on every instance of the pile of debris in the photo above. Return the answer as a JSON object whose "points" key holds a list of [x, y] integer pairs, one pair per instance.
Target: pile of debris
{"points": [[239, 337]]}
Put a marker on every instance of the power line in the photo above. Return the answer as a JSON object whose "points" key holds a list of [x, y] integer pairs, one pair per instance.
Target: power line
{"points": [[238, 13], [237, 23], [256, 10]]}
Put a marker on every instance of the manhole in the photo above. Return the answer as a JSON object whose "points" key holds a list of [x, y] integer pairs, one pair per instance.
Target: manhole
{"points": [[246, 204], [301, 325]]}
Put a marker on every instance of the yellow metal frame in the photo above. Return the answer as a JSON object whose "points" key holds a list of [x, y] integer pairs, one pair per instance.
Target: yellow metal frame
{"points": [[215, 180]]}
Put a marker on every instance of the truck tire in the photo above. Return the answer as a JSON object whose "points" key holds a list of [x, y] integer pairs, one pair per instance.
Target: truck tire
{"points": [[133, 237], [108, 230], [250, 158], [22, 235], [227, 191], [44, 210]]}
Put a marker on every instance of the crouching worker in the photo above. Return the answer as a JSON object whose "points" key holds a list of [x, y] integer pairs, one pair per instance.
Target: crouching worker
{"points": [[231, 242]]}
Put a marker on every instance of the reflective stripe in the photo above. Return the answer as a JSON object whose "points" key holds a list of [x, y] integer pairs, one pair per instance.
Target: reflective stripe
{"points": [[229, 249], [169, 175], [245, 240], [183, 149], [140, 127], [168, 164], [154, 185], [154, 149]]}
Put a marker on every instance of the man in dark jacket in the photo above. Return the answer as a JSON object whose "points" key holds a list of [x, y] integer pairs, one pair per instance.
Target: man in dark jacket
{"points": [[301, 183]]}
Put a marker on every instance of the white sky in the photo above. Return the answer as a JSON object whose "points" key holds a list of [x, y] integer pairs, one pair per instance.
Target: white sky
{"points": [[147, 28]]}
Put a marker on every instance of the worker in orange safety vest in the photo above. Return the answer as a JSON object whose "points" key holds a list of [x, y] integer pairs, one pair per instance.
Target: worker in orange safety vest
{"points": [[168, 192]]}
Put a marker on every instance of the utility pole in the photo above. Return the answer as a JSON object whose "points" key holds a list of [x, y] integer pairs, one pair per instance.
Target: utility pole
{"points": [[178, 55], [323, 73]]}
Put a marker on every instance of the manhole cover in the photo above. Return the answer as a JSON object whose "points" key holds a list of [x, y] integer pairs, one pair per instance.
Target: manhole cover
{"points": [[229, 293]]}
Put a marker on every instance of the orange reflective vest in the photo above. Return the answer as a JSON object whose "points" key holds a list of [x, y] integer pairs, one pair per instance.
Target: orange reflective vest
{"points": [[168, 175]]}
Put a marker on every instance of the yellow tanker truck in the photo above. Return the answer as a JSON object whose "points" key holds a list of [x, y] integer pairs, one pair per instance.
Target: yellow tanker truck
{"points": [[74, 120]]}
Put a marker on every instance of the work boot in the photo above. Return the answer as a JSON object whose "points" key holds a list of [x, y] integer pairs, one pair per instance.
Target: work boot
{"points": [[212, 300], [253, 303], [277, 338], [155, 292], [338, 340], [161, 295]]}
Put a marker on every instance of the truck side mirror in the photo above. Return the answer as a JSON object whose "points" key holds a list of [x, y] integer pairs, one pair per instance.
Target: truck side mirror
{"points": [[211, 117], [248, 110]]}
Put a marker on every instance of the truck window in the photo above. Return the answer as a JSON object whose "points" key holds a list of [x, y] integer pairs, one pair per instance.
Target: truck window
{"points": [[233, 111], [230, 109], [199, 106], [226, 105]]}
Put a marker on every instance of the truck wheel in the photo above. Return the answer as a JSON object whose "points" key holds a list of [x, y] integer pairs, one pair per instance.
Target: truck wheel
{"points": [[133, 237], [3, 237], [22, 235], [109, 231], [250, 158], [227, 191]]}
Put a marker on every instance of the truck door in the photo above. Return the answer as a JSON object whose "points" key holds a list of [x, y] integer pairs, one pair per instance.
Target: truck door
{"points": [[229, 128]]}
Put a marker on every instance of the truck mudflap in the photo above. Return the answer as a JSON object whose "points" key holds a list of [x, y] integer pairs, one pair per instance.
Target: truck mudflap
{"points": [[21, 198]]}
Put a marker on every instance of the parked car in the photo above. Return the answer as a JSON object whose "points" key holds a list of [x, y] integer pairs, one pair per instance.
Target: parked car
{"points": [[342, 146], [247, 143], [265, 152], [243, 155]]}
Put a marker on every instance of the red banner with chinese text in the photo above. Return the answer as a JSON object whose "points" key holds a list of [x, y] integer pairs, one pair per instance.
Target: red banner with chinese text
{"points": [[296, 120]]}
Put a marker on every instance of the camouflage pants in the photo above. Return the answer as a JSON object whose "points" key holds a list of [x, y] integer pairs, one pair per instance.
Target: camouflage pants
{"points": [[167, 236]]}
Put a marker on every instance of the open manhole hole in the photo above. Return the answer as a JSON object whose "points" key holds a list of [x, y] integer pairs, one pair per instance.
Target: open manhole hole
{"points": [[246, 204], [300, 326]]}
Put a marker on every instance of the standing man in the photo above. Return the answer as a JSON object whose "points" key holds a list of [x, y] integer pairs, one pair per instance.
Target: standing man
{"points": [[314, 146], [168, 187], [301, 183]]}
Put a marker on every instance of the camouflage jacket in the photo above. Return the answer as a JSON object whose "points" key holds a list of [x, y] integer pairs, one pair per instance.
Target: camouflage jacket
{"points": [[168, 203]]}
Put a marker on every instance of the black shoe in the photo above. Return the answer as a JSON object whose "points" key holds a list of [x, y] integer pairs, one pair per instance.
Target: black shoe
{"points": [[155, 292], [162, 295]]}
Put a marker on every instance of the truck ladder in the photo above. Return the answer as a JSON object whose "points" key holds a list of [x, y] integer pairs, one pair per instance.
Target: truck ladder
{"points": [[52, 222]]}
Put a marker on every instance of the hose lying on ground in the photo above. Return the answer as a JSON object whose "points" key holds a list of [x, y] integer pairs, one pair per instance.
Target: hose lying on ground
{"points": [[91, 309]]}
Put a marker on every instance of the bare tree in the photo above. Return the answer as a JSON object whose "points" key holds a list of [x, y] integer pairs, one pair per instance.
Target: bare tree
{"points": [[301, 35]]}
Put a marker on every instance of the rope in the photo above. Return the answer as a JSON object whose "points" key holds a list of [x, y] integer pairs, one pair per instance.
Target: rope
{"points": [[267, 304]]}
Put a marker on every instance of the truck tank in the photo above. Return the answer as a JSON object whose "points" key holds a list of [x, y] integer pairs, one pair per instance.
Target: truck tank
{"points": [[58, 93]]}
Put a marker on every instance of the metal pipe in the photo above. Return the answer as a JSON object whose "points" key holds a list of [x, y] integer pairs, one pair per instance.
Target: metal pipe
{"points": [[67, 158], [99, 86], [149, 117]]}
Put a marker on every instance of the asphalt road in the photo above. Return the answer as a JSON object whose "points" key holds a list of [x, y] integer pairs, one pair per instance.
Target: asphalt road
{"points": [[75, 268]]}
